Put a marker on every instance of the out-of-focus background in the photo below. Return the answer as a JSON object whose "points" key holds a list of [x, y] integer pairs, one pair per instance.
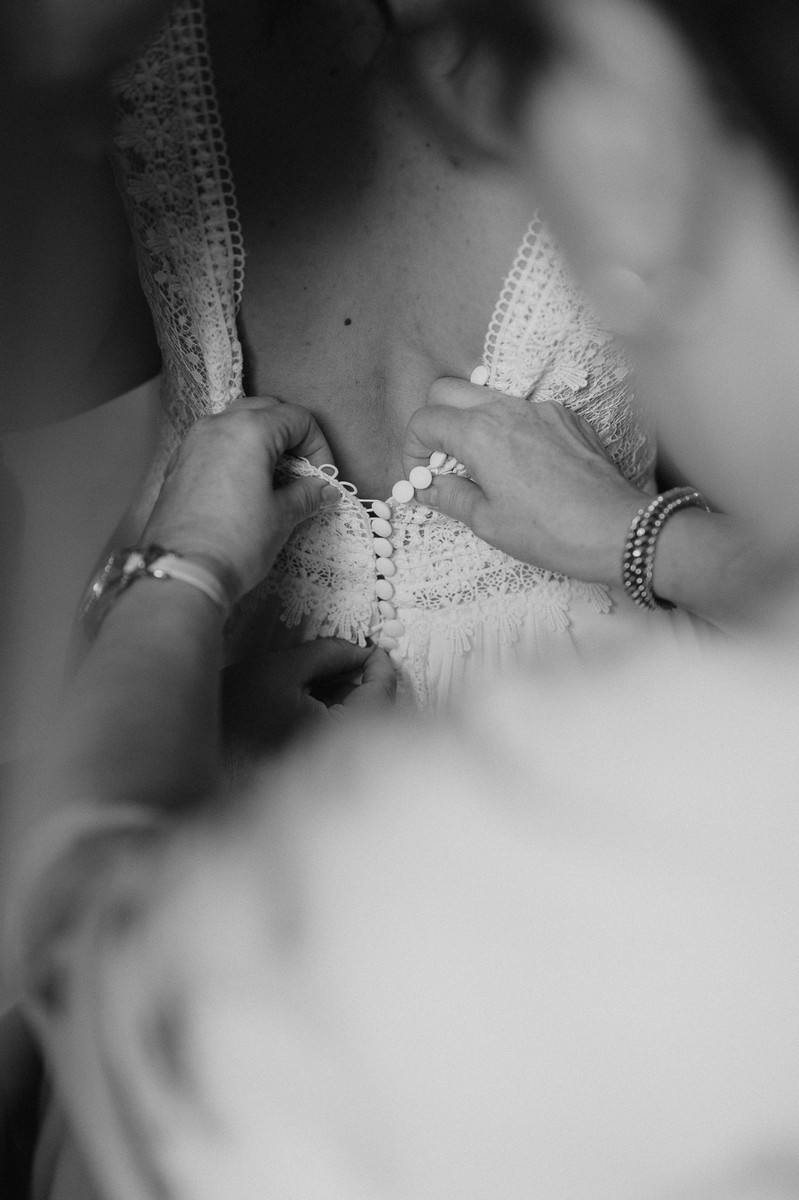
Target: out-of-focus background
{"points": [[63, 488], [78, 393]]}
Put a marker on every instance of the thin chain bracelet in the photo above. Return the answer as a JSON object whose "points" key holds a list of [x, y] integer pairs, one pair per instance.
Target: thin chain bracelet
{"points": [[638, 561]]}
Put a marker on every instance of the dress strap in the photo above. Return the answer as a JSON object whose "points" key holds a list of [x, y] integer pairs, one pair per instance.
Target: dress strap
{"points": [[174, 174], [544, 342]]}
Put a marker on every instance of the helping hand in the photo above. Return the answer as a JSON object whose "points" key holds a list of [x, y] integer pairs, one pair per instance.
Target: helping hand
{"points": [[267, 700], [544, 489], [218, 501]]}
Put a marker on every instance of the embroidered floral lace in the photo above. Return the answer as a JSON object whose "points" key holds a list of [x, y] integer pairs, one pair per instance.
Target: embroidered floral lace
{"points": [[542, 342]]}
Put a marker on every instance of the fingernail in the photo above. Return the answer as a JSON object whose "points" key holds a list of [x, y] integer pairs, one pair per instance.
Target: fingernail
{"points": [[330, 496]]}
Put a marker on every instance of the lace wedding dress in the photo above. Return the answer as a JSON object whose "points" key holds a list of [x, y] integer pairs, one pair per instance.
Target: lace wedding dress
{"points": [[458, 607]]}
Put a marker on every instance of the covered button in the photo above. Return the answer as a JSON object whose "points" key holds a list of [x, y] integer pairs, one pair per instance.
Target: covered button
{"points": [[480, 375], [381, 509], [421, 478], [383, 547], [437, 460], [385, 566], [402, 491], [384, 589], [386, 609], [380, 527], [393, 629]]}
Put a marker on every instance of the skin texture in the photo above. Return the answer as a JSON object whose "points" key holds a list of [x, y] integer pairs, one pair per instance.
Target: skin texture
{"points": [[376, 253], [542, 473]]}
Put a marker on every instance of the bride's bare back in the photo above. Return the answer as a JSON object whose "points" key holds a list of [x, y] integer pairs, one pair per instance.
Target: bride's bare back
{"points": [[376, 245]]}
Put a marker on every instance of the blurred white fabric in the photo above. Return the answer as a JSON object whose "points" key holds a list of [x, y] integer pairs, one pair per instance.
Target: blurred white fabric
{"points": [[546, 951]]}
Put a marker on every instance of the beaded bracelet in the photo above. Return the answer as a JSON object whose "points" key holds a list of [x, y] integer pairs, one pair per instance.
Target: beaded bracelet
{"points": [[638, 562]]}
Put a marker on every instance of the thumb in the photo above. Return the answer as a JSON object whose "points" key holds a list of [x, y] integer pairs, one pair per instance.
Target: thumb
{"points": [[301, 498], [462, 499], [328, 658], [378, 687]]}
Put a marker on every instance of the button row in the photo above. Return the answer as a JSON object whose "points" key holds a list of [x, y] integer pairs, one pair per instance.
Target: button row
{"points": [[403, 491], [390, 628]]}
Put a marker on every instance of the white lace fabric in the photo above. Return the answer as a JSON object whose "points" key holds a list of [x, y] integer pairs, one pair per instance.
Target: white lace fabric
{"points": [[544, 342], [451, 589], [175, 178]]}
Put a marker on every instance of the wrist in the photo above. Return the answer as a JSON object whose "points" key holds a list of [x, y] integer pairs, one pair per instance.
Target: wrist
{"points": [[220, 568], [202, 573], [675, 568], [713, 565], [197, 549]]}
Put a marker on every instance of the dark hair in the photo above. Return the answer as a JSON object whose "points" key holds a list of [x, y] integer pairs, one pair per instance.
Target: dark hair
{"points": [[515, 29], [386, 12], [749, 48]]}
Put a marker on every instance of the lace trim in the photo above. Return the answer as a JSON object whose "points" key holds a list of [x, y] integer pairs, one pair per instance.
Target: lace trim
{"points": [[325, 574], [544, 342], [175, 175]]}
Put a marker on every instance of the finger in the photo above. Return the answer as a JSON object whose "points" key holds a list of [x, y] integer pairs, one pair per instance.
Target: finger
{"points": [[327, 659], [588, 432], [301, 498], [436, 428], [459, 498], [253, 403], [300, 433], [459, 393], [378, 688], [305, 438]]}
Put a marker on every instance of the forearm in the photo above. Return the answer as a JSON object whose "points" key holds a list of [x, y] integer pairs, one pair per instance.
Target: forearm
{"points": [[137, 741], [711, 565], [140, 721]]}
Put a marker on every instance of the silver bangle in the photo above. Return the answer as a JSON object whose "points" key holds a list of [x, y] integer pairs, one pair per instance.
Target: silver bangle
{"points": [[638, 560], [124, 567]]}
